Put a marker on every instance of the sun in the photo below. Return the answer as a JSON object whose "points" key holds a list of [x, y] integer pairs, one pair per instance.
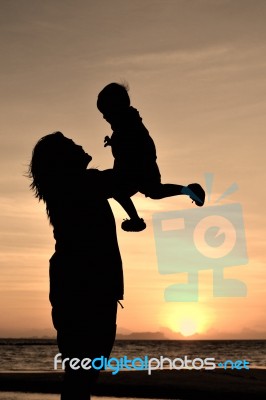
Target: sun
{"points": [[188, 320], [188, 327]]}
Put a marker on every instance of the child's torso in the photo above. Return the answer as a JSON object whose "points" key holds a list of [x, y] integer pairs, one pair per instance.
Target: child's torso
{"points": [[131, 142]]}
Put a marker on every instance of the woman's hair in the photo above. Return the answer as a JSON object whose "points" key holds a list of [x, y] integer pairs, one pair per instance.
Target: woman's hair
{"points": [[56, 169], [46, 164], [113, 95]]}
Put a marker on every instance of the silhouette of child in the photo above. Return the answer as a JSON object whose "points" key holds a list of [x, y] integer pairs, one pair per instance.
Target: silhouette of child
{"points": [[135, 167]]}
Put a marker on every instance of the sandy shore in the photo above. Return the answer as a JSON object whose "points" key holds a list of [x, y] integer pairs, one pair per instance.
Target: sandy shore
{"points": [[166, 384]]}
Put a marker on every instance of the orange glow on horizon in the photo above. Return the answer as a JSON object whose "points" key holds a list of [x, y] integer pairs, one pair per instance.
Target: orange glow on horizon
{"points": [[187, 319]]}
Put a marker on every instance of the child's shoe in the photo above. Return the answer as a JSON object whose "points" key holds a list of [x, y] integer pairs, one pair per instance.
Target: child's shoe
{"points": [[133, 225], [198, 194]]}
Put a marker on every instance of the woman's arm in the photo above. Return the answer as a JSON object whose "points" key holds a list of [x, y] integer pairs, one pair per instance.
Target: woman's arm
{"points": [[101, 182]]}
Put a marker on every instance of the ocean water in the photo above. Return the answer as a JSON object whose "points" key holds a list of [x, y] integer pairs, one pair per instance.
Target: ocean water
{"points": [[29, 355], [39, 396], [38, 354]]}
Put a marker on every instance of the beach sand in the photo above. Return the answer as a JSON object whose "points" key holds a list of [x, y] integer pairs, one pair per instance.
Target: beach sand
{"points": [[166, 384]]}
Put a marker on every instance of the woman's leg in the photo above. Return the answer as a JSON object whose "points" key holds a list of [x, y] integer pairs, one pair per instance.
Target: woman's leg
{"points": [[91, 335]]}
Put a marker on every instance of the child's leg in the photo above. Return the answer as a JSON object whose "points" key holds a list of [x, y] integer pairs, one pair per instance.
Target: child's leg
{"points": [[160, 191], [127, 205], [135, 223], [115, 188]]}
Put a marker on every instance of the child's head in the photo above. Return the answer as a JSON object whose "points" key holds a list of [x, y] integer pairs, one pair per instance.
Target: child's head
{"points": [[113, 99]]}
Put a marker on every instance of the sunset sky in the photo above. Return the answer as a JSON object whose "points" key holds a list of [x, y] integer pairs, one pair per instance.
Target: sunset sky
{"points": [[196, 72]]}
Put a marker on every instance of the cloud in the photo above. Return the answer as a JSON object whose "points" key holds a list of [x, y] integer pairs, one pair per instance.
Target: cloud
{"points": [[166, 58]]}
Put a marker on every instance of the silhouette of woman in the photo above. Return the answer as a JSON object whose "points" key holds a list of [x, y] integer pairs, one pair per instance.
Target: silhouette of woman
{"points": [[86, 276]]}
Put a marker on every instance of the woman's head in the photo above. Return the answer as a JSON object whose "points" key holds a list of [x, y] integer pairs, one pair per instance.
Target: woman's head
{"points": [[53, 158]]}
